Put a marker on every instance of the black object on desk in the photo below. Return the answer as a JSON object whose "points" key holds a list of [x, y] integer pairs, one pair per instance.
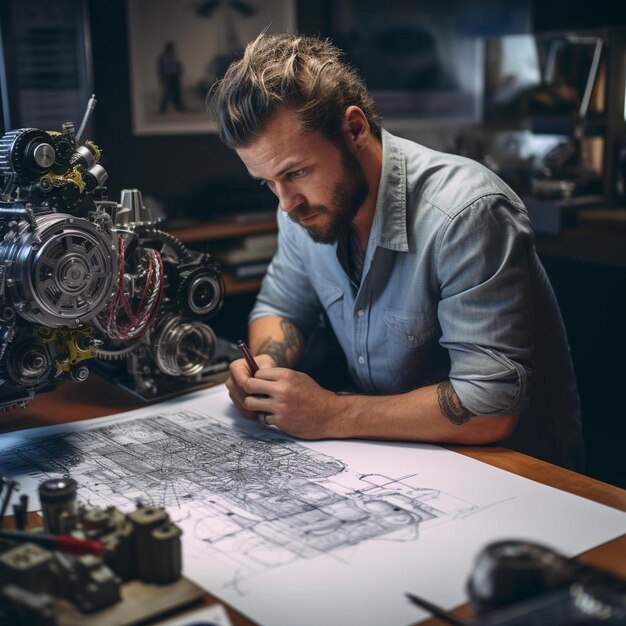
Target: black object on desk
{"points": [[516, 583]]}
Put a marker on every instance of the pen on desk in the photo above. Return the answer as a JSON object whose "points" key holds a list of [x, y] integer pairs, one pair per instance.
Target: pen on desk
{"points": [[247, 355], [437, 611], [24, 507], [61, 543], [20, 513], [18, 517]]}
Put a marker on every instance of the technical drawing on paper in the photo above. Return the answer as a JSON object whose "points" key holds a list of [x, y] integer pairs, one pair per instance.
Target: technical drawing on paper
{"points": [[255, 502]]}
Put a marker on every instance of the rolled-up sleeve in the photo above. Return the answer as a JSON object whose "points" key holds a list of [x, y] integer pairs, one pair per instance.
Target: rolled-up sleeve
{"points": [[486, 309], [286, 290]]}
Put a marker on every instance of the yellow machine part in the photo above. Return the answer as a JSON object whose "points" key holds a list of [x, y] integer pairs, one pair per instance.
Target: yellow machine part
{"points": [[97, 153], [70, 339], [72, 175]]}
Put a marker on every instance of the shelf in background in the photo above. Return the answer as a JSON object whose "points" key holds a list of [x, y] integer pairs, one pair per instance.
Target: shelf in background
{"points": [[594, 125], [223, 229], [235, 286]]}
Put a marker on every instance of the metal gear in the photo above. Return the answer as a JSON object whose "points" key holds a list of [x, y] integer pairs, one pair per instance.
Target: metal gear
{"points": [[114, 353]]}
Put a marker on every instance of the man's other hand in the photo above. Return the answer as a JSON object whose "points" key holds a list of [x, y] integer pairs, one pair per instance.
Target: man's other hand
{"points": [[292, 401]]}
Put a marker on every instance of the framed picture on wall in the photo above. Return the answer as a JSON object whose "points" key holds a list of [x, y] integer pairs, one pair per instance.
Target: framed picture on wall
{"points": [[179, 49]]}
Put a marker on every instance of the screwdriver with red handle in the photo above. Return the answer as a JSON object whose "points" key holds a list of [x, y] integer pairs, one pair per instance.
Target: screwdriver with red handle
{"points": [[60, 543]]}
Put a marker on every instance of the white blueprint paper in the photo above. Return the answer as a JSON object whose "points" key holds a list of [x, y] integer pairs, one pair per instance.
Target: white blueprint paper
{"points": [[214, 615], [308, 533]]}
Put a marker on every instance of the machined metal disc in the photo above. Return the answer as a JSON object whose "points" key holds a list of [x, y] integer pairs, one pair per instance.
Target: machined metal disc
{"points": [[63, 273]]}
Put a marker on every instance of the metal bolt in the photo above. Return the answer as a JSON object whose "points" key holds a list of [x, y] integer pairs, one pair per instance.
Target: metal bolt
{"points": [[38, 362]]}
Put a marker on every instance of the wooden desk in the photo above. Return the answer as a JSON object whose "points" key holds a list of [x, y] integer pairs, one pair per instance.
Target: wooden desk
{"points": [[97, 397]]}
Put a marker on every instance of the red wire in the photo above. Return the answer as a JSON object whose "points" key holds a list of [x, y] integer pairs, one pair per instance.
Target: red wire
{"points": [[140, 320]]}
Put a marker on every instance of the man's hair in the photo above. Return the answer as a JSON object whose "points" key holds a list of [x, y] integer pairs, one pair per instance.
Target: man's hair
{"points": [[304, 74]]}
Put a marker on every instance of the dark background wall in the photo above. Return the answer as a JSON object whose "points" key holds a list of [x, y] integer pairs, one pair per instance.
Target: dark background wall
{"points": [[592, 298]]}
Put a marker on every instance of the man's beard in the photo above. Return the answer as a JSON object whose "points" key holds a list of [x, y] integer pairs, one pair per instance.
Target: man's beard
{"points": [[348, 197]]}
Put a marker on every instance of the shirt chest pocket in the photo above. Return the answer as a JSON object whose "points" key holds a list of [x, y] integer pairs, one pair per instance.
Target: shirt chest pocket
{"points": [[414, 356], [332, 300]]}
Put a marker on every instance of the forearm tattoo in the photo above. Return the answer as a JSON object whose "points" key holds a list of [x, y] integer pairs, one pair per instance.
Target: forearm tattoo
{"points": [[293, 340], [450, 404]]}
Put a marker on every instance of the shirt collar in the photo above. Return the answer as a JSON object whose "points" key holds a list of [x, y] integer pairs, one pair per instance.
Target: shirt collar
{"points": [[389, 225]]}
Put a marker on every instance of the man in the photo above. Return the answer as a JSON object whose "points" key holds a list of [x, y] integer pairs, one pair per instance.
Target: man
{"points": [[423, 262], [170, 71]]}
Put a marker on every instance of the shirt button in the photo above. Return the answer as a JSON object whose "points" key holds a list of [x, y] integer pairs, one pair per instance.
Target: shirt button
{"points": [[360, 312], [361, 360]]}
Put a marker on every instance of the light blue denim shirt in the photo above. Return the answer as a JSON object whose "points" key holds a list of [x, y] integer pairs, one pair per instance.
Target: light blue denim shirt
{"points": [[451, 288]]}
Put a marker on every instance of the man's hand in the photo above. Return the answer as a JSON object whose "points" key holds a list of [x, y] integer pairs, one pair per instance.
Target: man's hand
{"points": [[293, 402], [239, 376], [298, 406]]}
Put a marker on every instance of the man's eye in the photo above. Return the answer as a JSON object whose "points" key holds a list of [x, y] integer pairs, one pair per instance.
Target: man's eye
{"points": [[297, 173]]}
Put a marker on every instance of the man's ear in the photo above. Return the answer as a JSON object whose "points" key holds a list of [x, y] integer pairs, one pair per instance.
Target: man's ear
{"points": [[356, 128]]}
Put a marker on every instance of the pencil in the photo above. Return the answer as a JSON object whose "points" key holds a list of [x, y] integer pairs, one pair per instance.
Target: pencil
{"points": [[436, 610], [247, 355]]}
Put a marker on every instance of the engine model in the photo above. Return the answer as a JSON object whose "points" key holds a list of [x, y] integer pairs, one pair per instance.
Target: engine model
{"points": [[83, 277]]}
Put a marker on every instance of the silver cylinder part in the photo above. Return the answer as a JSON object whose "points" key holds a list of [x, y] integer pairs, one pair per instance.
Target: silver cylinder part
{"points": [[183, 348], [133, 210], [205, 293], [166, 554], [27, 153], [145, 520], [61, 273], [99, 173], [84, 156], [44, 155], [58, 499]]}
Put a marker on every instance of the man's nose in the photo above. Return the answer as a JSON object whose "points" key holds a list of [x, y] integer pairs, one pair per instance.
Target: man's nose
{"points": [[288, 198]]}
